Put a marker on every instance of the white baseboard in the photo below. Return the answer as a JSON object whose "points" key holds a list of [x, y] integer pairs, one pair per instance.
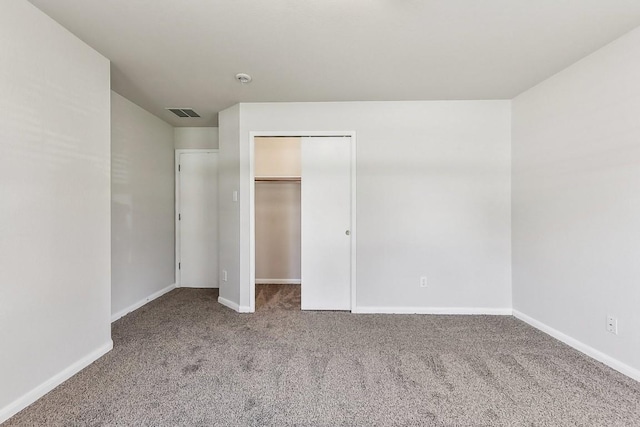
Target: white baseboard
{"points": [[233, 306], [142, 302], [434, 310], [580, 346], [44, 388], [227, 303], [278, 281]]}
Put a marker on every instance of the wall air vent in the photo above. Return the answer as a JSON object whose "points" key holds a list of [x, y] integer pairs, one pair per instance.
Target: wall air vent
{"points": [[184, 112]]}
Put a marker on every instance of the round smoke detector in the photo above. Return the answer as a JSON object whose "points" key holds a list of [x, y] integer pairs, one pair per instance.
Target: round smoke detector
{"points": [[243, 78]]}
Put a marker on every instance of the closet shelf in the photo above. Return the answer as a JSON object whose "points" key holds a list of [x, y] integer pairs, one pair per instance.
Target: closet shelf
{"points": [[277, 178]]}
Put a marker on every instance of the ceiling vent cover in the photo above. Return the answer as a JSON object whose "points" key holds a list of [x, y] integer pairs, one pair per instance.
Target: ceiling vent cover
{"points": [[184, 112]]}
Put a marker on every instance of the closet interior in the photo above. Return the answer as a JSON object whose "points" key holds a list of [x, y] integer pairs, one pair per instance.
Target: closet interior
{"points": [[277, 170]]}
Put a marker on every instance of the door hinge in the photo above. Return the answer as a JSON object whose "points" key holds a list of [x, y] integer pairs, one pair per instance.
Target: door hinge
{"points": [[179, 217], [179, 266], [179, 167]]}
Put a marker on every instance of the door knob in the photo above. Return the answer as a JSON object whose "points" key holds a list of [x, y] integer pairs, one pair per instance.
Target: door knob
{"points": [[347, 232]]}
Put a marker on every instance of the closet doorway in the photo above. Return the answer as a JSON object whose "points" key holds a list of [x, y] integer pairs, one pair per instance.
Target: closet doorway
{"points": [[303, 222], [277, 170]]}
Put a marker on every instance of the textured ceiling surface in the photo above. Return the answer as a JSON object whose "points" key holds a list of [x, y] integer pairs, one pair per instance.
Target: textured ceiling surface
{"points": [[168, 53]]}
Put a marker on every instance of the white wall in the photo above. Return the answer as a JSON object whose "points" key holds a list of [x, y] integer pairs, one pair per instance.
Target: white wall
{"points": [[190, 137], [576, 201], [142, 205], [54, 185], [433, 198], [229, 231]]}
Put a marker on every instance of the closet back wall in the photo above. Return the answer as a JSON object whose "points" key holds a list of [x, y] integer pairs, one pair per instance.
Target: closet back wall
{"points": [[277, 210], [277, 232]]}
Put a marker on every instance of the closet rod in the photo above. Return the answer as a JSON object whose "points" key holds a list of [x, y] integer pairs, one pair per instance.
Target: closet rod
{"points": [[303, 136], [278, 178]]}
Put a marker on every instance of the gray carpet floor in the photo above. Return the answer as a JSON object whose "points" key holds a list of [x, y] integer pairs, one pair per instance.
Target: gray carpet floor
{"points": [[185, 360]]}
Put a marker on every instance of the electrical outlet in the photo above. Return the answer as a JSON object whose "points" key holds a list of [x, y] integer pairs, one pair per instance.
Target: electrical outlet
{"points": [[224, 275], [612, 324], [423, 281]]}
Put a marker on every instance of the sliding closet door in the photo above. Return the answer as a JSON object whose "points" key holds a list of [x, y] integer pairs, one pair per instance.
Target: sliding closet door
{"points": [[198, 220], [326, 220]]}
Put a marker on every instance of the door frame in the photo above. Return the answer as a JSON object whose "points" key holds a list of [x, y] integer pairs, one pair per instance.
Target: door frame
{"points": [[179, 151], [252, 210]]}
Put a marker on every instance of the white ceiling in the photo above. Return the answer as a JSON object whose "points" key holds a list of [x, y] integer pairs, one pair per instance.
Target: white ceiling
{"points": [[185, 53]]}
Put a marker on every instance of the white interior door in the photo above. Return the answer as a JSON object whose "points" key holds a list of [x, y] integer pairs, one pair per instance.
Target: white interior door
{"points": [[198, 220], [326, 221]]}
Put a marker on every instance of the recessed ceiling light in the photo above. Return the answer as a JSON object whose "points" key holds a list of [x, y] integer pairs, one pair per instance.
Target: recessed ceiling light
{"points": [[243, 78]]}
